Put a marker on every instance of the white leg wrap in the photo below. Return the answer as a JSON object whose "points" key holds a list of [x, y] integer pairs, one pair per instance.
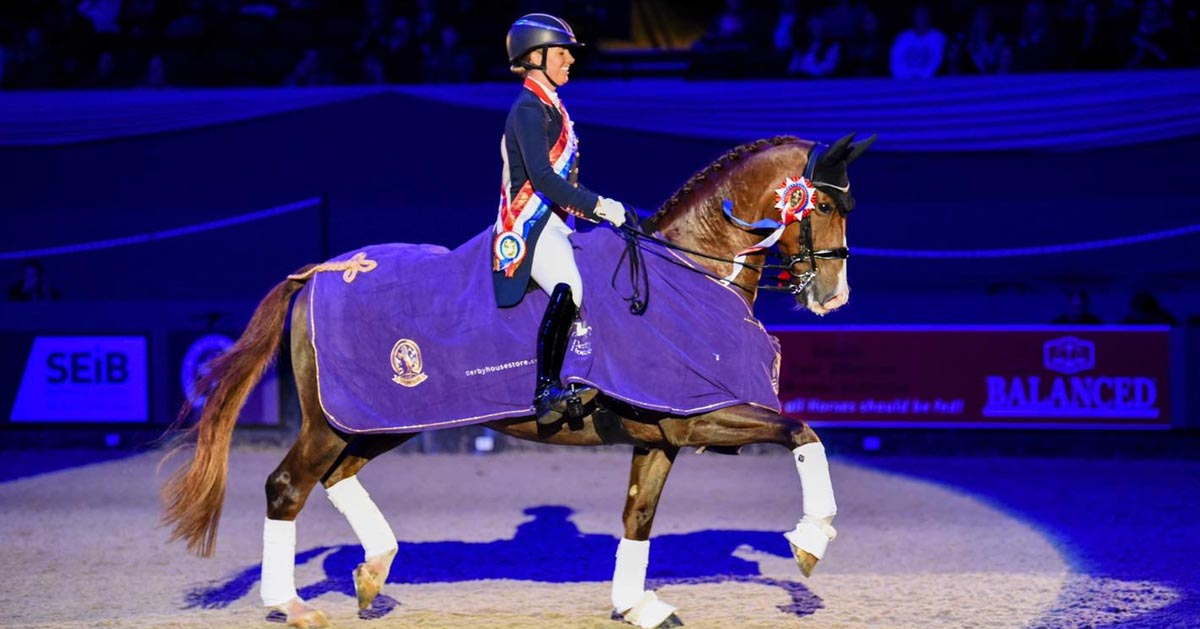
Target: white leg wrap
{"points": [[812, 536], [649, 612], [814, 481], [629, 577], [279, 562], [373, 532]]}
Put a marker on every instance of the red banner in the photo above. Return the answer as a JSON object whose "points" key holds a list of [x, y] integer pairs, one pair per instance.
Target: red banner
{"points": [[1042, 376]]}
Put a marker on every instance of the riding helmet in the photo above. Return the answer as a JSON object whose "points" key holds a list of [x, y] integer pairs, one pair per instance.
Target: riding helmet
{"points": [[537, 30]]}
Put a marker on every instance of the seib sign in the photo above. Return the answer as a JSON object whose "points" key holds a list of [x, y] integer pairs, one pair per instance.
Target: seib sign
{"points": [[1072, 389], [84, 379]]}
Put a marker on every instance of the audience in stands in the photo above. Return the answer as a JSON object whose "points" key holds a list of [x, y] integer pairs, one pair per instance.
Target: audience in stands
{"points": [[157, 43], [1145, 309], [917, 53], [867, 54], [821, 55], [1078, 310], [32, 284]]}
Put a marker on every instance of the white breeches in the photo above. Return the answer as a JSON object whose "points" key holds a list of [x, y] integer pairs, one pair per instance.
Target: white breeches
{"points": [[554, 260]]}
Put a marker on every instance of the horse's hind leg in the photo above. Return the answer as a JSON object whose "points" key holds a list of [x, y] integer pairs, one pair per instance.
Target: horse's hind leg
{"points": [[315, 452], [288, 488], [647, 475], [741, 425], [353, 501]]}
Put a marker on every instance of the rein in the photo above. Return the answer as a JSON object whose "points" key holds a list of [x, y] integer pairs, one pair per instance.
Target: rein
{"points": [[639, 276]]}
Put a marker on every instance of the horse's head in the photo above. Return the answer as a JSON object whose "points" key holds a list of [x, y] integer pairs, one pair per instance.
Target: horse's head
{"points": [[815, 247], [785, 194]]}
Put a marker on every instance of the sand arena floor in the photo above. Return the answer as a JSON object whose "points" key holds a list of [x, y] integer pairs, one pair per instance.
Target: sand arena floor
{"points": [[526, 540]]}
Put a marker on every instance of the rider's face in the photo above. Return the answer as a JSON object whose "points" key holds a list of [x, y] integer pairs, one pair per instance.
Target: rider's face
{"points": [[558, 64]]}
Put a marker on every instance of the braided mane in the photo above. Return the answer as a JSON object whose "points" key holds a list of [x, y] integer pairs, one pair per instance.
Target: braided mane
{"points": [[734, 155]]}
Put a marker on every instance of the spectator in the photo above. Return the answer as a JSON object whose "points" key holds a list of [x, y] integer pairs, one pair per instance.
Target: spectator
{"points": [[373, 72], [403, 54], [957, 62], [308, 72], [984, 45], [30, 64], [426, 25], [104, 14], [1078, 310], [1037, 48], [730, 30], [448, 62], [375, 33], [1145, 309], [1092, 47], [32, 285], [783, 35], [104, 75], [156, 74], [843, 19], [868, 55], [1153, 42], [917, 52], [820, 57]]}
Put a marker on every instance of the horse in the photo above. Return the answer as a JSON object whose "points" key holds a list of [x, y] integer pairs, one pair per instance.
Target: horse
{"points": [[798, 190]]}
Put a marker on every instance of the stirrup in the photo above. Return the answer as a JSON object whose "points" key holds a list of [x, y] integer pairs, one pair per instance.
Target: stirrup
{"points": [[556, 402]]}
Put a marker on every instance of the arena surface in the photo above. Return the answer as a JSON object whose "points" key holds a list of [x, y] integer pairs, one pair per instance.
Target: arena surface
{"points": [[527, 539]]}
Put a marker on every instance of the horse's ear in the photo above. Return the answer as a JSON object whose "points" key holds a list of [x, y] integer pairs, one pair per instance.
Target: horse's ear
{"points": [[860, 147], [837, 152]]}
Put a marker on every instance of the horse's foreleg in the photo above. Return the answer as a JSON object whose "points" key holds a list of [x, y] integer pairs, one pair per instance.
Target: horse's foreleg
{"points": [[647, 476], [353, 501], [741, 425]]}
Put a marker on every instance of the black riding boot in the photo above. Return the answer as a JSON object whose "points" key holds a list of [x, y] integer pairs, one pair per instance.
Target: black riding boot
{"points": [[553, 401]]}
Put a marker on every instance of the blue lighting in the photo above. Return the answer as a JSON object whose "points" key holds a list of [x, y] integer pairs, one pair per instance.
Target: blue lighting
{"points": [[162, 235], [959, 254]]}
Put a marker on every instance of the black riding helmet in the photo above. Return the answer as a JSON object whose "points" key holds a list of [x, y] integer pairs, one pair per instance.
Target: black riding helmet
{"points": [[537, 30]]}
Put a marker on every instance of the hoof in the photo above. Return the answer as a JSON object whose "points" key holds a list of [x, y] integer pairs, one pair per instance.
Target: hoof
{"points": [[314, 619], [808, 541], [671, 622], [369, 578], [301, 615], [805, 560], [650, 613], [366, 586]]}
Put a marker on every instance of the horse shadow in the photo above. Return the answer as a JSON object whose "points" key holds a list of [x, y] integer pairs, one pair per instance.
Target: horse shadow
{"points": [[547, 549]]}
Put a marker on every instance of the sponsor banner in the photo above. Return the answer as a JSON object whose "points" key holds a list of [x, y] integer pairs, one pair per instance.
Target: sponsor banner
{"points": [[83, 379], [1050, 376], [190, 355]]}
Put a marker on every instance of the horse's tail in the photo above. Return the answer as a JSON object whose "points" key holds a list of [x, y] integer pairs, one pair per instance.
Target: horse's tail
{"points": [[194, 494]]}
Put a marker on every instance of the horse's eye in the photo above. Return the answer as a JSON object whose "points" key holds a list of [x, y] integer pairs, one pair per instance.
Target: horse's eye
{"points": [[825, 208]]}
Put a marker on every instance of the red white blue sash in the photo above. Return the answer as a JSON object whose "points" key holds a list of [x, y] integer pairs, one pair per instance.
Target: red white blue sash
{"points": [[517, 214]]}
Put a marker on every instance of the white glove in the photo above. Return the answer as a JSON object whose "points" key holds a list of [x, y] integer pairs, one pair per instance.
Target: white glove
{"points": [[611, 211]]}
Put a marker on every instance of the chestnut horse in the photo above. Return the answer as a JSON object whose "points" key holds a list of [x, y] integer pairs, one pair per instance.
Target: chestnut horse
{"points": [[721, 212]]}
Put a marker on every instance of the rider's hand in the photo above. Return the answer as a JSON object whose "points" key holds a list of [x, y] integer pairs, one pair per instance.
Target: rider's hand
{"points": [[611, 211]]}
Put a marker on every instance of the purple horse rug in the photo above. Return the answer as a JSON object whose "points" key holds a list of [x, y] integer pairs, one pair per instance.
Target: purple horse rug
{"points": [[409, 338]]}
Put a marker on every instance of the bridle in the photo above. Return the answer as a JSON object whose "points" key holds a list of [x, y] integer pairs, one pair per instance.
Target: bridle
{"points": [[806, 254]]}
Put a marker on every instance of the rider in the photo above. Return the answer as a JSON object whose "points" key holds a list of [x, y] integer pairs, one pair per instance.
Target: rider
{"points": [[539, 194]]}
